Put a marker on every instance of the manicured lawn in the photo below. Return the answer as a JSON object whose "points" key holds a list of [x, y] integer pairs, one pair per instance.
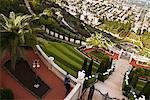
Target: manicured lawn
{"points": [[66, 56]]}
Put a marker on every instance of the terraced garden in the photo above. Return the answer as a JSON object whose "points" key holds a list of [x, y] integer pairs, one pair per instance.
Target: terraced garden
{"points": [[66, 56]]}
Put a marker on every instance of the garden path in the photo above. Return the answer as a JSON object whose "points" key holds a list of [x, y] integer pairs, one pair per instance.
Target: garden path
{"points": [[113, 85]]}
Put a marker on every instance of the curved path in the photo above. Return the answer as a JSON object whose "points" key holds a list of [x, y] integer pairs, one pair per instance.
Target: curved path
{"points": [[113, 85]]}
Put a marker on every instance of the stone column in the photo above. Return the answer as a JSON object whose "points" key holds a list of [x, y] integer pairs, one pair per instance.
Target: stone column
{"points": [[131, 57], [80, 80], [43, 27], [120, 53], [47, 30]]}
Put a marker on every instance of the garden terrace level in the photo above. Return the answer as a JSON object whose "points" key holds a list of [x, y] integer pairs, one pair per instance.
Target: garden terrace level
{"points": [[49, 77]]}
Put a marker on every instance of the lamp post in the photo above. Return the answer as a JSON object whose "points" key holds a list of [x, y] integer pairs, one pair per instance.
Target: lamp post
{"points": [[36, 83]]}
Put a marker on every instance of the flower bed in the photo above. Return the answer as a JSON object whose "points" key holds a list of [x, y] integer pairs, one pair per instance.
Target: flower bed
{"points": [[27, 78]]}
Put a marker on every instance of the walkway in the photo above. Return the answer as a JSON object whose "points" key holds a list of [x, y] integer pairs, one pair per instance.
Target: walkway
{"points": [[113, 85], [56, 91]]}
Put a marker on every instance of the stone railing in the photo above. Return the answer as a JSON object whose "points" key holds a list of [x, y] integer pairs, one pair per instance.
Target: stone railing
{"points": [[76, 92], [63, 37]]}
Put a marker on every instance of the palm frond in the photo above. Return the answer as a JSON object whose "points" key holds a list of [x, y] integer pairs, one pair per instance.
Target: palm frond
{"points": [[5, 18], [16, 31], [17, 21]]}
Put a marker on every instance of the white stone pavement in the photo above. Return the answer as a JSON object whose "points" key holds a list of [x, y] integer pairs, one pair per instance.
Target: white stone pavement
{"points": [[113, 85]]}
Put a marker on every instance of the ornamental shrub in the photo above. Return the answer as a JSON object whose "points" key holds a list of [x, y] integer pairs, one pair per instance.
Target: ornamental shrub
{"points": [[6, 94]]}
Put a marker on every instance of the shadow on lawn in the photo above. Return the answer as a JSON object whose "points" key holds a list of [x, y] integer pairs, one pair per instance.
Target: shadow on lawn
{"points": [[27, 77]]}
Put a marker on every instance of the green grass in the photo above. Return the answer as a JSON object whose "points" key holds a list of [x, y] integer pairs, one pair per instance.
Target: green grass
{"points": [[66, 56], [147, 72]]}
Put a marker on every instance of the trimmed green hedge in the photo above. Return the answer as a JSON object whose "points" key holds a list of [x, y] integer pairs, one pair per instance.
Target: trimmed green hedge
{"points": [[6, 94]]}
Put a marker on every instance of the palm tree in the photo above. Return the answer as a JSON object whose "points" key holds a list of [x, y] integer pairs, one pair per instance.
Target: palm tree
{"points": [[15, 32], [97, 40], [84, 64]]}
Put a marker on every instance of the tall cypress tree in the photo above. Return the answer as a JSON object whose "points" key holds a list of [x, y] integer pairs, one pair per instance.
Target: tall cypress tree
{"points": [[80, 41], [131, 75], [74, 39], [99, 68], [90, 68], [69, 38], [102, 66], [84, 65]]}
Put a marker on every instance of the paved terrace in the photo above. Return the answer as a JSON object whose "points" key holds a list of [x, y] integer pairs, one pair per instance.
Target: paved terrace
{"points": [[57, 89]]}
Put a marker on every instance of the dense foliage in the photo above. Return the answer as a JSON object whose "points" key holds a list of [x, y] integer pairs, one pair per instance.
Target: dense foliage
{"points": [[116, 27], [6, 94], [139, 82], [6, 6], [97, 40], [16, 31]]}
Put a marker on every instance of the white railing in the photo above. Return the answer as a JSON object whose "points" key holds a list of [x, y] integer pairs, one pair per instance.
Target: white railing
{"points": [[74, 94], [77, 41]]}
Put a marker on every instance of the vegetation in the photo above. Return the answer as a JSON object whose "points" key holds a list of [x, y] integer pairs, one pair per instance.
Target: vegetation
{"points": [[98, 55], [65, 56], [27, 77], [123, 30], [145, 90], [90, 68], [16, 31], [138, 32], [139, 81], [142, 40], [116, 27], [84, 64], [12, 5], [97, 40], [54, 22], [6, 94], [145, 38]]}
